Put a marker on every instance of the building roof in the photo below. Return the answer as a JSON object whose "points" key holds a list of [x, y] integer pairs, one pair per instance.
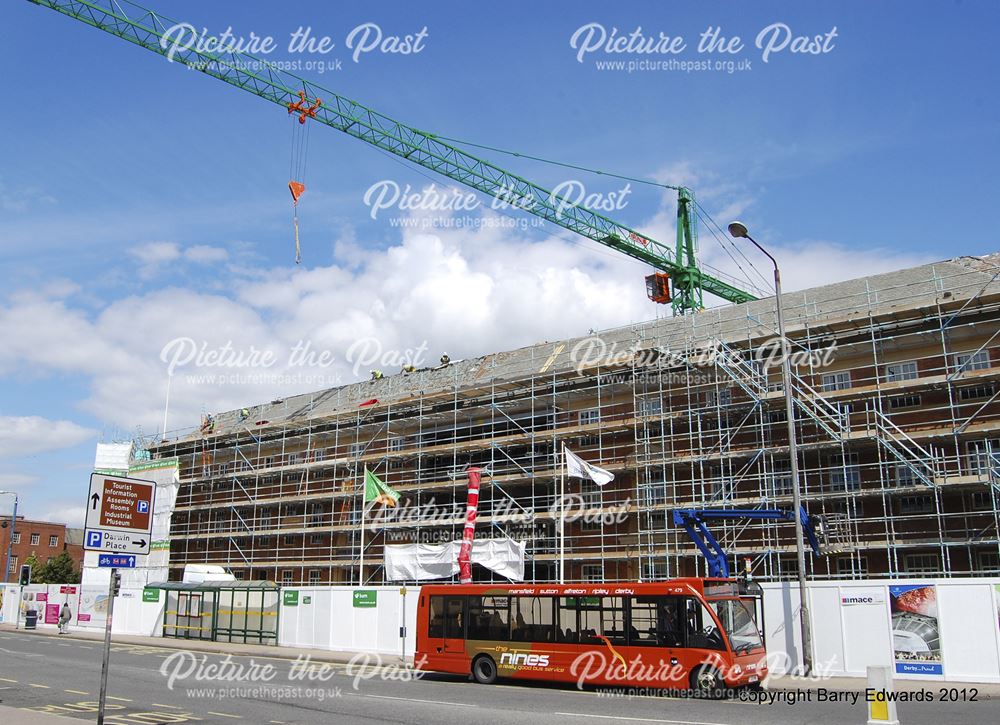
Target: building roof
{"points": [[947, 282]]}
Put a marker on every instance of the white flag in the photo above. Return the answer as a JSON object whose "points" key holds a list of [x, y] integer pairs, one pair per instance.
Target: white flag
{"points": [[576, 466]]}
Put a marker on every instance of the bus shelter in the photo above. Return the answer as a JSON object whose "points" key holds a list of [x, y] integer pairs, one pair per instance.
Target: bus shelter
{"points": [[232, 611]]}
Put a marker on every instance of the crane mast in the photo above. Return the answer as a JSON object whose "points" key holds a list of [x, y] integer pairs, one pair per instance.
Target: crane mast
{"points": [[148, 29]]}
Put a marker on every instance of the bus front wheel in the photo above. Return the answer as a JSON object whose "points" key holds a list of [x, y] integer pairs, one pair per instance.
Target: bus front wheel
{"points": [[484, 669], [707, 681]]}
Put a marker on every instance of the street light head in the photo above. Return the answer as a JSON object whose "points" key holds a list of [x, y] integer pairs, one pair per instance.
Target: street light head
{"points": [[738, 229]]}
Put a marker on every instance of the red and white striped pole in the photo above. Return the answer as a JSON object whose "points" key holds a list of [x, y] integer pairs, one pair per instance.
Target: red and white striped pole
{"points": [[469, 533]]}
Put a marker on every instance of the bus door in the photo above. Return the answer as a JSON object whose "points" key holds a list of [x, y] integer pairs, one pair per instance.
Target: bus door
{"points": [[700, 633], [454, 624]]}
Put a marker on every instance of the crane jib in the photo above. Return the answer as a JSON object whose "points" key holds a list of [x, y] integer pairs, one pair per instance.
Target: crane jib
{"points": [[149, 30]]}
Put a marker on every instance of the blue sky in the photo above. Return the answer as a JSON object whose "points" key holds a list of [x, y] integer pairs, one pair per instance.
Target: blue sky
{"points": [[141, 202]]}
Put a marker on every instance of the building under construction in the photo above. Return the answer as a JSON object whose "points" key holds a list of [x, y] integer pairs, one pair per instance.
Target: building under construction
{"points": [[896, 398]]}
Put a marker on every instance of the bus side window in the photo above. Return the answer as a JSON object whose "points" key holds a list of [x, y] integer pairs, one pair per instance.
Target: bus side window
{"points": [[700, 629], [567, 628], [435, 618], [654, 622], [531, 619], [489, 618], [454, 617]]}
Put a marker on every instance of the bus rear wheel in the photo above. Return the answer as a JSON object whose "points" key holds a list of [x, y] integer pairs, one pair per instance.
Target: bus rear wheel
{"points": [[707, 681], [484, 670]]}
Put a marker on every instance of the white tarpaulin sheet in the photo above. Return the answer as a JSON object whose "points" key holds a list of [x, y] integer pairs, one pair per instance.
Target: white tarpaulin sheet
{"points": [[416, 562], [113, 456]]}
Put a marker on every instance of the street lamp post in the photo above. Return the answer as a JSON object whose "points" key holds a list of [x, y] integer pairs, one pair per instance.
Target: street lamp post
{"points": [[10, 540], [739, 230]]}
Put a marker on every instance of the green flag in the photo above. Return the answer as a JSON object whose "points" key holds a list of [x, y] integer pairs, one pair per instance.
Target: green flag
{"points": [[376, 490]]}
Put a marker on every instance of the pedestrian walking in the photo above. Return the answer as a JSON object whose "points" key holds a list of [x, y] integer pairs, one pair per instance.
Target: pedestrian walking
{"points": [[65, 614]]}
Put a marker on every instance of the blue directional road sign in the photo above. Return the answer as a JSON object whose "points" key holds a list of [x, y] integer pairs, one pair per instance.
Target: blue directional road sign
{"points": [[117, 561]]}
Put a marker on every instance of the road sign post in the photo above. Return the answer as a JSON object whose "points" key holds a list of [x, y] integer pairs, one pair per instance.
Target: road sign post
{"points": [[106, 663], [119, 526]]}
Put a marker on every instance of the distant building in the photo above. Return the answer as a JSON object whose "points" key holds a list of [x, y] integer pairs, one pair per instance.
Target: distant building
{"points": [[44, 539]]}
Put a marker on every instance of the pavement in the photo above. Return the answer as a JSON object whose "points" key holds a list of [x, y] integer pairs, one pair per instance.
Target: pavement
{"points": [[155, 680]]}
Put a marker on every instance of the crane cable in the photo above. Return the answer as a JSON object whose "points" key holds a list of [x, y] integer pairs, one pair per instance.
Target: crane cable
{"points": [[704, 215], [297, 174]]}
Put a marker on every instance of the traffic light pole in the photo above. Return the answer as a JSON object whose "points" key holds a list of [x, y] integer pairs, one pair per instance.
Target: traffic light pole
{"points": [[10, 540], [112, 591]]}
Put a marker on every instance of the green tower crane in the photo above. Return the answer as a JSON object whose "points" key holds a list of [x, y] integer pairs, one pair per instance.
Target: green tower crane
{"points": [[148, 29]]}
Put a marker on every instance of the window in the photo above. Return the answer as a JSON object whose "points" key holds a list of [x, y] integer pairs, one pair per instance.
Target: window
{"points": [[655, 622], [720, 398], [314, 575], [35, 538], [588, 417], [316, 539], [654, 570], [592, 573], [836, 381], [288, 539], [653, 493], [980, 500], [988, 562], [737, 620], [602, 616], [489, 618], [315, 514], [286, 576], [853, 566], [922, 563], [53, 541], [355, 449], [976, 392], [447, 618], [905, 475], [916, 505], [590, 494], [650, 406], [781, 478], [16, 537], [395, 445], [13, 564], [532, 619], [900, 371], [700, 627], [984, 455], [720, 485], [966, 361], [846, 473], [900, 402]]}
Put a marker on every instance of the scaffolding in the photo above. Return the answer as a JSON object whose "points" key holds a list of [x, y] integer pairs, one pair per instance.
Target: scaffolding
{"points": [[895, 386]]}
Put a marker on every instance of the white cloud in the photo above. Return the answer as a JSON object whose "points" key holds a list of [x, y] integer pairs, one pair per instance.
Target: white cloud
{"points": [[467, 291], [61, 512], [205, 254], [27, 435], [16, 481], [152, 253]]}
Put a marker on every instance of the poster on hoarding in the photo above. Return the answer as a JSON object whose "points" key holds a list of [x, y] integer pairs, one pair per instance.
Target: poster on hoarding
{"points": [[916, 636], [52, 613]]}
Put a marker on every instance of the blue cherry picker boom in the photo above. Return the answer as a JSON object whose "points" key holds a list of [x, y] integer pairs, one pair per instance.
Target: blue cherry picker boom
{"points": [[693, 521]]}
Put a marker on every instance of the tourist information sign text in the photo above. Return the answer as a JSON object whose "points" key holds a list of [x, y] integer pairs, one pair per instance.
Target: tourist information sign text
{"points": [[119, 514]]}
